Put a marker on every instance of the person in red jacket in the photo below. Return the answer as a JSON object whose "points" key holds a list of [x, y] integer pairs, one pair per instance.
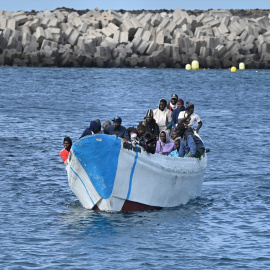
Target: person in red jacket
{"points": [[65, 152]]}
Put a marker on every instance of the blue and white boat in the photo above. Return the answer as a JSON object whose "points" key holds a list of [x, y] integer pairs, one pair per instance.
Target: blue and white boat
{"points": [[105, 175]]}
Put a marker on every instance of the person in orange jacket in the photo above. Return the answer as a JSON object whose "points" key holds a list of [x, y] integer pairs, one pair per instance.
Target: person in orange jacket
{"points": [[65, 152]]}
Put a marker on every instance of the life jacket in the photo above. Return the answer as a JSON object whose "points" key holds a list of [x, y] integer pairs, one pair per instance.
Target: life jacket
{"points": [[64, 154]]}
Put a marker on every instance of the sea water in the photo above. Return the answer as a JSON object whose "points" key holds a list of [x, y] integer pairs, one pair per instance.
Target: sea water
{"points": [[43, 225]]}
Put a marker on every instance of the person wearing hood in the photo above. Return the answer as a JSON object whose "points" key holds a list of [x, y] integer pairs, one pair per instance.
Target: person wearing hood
{"points": [[175, 114], [188, 117], [65, 152], [94, 128], [163, 116], [151, 127], [164, 145], [172, 105], [117, 129]]}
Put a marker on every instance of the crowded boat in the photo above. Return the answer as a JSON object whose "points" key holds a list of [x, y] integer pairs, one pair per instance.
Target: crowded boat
{"points": [[168, 130]]}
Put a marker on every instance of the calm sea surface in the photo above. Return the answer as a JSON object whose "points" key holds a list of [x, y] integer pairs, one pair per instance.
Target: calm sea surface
{"points": [[43, 226]]}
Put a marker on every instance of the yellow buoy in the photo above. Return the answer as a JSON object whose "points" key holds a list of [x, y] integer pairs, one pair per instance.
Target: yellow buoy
{"points": [[188, 67], [195, 65], [233, 69], [242, 66]]}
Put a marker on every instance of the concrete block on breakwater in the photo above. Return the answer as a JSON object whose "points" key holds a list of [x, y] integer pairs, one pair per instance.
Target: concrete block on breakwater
{"points": [[95, 38]]}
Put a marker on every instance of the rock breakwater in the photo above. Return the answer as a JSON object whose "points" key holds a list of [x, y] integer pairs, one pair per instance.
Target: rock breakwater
{"points": [[95, 38]]}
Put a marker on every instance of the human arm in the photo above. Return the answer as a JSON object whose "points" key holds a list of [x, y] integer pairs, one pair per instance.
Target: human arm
{"points": [[199, 126]]}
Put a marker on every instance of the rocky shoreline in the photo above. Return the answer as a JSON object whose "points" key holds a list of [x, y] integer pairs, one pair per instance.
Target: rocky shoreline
{"points": [[118, 38]]}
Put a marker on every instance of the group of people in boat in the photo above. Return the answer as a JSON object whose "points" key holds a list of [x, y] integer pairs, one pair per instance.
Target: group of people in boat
{"points": [[167, 130]]}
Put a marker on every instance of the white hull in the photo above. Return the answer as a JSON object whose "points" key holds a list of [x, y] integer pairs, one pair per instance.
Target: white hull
{"points": [[141, 181]]}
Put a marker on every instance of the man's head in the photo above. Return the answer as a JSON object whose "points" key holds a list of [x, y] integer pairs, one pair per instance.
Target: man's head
{"points": [[181, 128], [174, 99], [141, 130], [177, 144], [105, 124], [190, 108], [67, 143], [149, 115], [117, 122], [180, 103], [174, 135], [162, 104]]}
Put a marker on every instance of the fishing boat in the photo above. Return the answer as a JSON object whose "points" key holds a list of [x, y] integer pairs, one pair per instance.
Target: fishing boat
{"points": [[106, 173]]}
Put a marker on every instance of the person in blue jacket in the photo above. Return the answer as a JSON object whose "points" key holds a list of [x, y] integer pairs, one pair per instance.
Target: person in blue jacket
{"points": [[117, 129], [180, 108], [191, 145]]}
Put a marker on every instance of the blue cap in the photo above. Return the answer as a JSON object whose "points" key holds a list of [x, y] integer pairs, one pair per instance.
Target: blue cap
{"points": [[117, 119]]}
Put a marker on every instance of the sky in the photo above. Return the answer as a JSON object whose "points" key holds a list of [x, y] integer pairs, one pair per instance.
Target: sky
{"points": [[28, 5]]}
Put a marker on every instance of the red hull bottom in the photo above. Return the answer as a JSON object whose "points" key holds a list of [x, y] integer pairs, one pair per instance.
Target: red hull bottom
{"points": [[133, 206]]}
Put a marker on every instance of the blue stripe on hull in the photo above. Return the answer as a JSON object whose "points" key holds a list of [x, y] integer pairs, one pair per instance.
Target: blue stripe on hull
{"points": [[83, 185], [131, 175]]}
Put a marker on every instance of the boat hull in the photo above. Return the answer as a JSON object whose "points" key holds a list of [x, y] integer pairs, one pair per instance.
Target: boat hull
{"points": [[106, 176]]}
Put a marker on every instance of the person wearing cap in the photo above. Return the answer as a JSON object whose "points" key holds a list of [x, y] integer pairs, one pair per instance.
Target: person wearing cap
{"points": [[163, 116], [175, 114], [94, 128], [172, 105], [117, 129], [151, 127], [188, 117], [65, 152]]}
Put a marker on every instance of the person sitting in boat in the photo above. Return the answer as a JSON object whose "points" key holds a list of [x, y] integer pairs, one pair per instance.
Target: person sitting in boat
{"points": [[191, 145], [151, 127], [94, 128], [65, 152], [105, 124], [175, 153], [172, 104], [175, 114], [163, 116], [117, 129], [164, 145], [139, 131], [189, 117]]}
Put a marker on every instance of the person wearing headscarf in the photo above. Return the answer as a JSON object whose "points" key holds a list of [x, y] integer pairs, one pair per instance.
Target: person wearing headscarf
{"points": [[151, 127], [94, 128], [65, 152], [175, 114], [164, 145], [172, 105], [163, 116], [188, 117]]}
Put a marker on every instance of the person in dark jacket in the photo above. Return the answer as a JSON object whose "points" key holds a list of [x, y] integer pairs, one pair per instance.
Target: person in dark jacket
{"points": [[151, 127], [94, 128], [191, 145], [117, 129], [180, 108]]}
